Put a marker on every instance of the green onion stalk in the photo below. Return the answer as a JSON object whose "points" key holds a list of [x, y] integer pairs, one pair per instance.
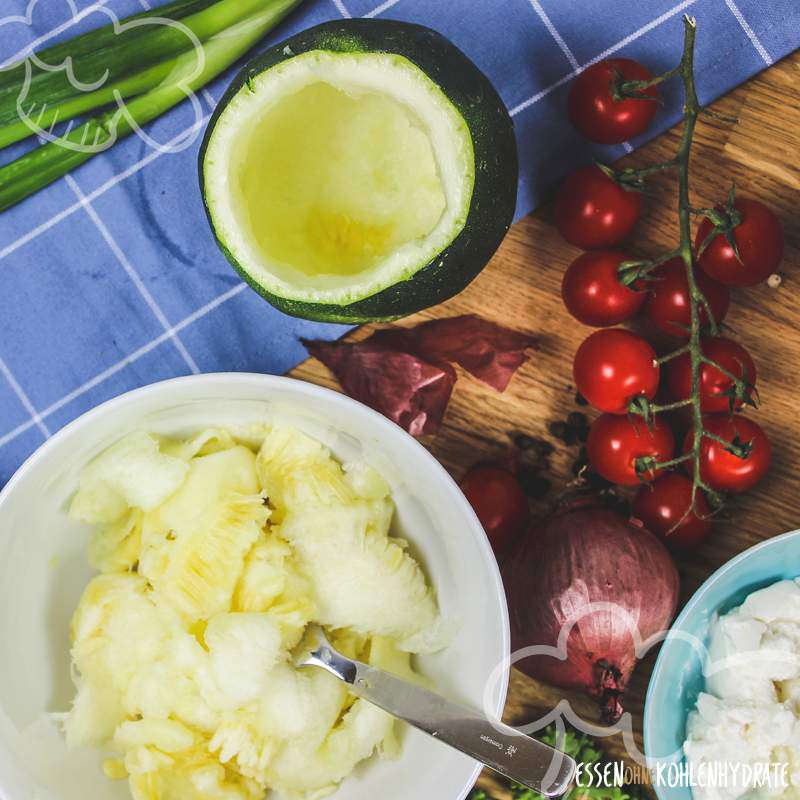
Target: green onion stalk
{"points": [[218, 35], [41, 89], [105, 40]]}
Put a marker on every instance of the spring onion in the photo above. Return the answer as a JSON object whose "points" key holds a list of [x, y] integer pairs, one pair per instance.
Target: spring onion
{"points": [[52, 97], [227, 30], [100, 39]]}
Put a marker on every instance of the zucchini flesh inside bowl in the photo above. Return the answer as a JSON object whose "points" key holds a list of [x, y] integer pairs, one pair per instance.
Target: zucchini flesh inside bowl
{"points": [[338, 171]]}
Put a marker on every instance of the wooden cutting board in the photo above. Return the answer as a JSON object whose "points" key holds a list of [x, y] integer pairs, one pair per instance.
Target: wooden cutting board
{"points": [[521, 288]]}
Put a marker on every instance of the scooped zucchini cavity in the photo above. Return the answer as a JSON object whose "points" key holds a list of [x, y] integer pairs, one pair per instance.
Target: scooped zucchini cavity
{"points": [[215, 553], [362, 170]]}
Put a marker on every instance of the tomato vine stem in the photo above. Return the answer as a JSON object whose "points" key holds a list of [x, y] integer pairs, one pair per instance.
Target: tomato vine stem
{"points": [[630, 272], [648, 463], [691, 110], [634, 88], [674, 354], [658, 408], [742, 388]]}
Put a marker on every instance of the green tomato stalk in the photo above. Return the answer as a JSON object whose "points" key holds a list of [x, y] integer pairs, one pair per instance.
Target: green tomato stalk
{"points": [[633, 271]]}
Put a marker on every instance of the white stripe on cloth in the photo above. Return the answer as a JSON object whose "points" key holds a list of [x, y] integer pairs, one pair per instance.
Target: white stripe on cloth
{"points": [[341, 8], [36, 418], [751, 34], [125, 263], [381, 8], [94, 194], [605, 54], [120, 365], [34, 45], [537, 7]]}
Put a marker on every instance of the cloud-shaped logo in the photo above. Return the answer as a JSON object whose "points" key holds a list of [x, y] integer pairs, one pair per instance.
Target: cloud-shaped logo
{"points": [[188, 66], [563, 711]]}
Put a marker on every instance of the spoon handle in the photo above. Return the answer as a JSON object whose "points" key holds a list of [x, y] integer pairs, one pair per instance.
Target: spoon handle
{"points": [[498, 746]]}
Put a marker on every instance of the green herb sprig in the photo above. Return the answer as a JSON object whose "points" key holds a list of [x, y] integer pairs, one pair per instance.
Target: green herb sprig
{"points": [[584, 750]]}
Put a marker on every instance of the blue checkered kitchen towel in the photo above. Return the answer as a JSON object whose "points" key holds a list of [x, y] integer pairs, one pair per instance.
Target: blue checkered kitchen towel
{"points": [[110, 279]]}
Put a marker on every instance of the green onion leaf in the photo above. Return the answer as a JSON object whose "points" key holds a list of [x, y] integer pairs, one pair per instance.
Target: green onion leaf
{"points": [[138, 62], [103, 39], [232, 38]]}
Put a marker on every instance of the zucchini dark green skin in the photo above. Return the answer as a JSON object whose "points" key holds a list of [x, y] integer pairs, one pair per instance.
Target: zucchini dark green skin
{"points": [[494, 194]]}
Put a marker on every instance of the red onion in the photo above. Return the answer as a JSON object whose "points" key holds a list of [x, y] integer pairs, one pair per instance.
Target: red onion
{"points": [[590, 567]]}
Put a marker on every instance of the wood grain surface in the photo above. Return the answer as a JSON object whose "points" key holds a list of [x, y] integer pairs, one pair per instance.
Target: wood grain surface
{"points": [[521, 288]]}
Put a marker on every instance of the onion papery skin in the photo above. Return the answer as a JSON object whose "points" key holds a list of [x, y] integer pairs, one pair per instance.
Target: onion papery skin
{"points": [[576, 558]]}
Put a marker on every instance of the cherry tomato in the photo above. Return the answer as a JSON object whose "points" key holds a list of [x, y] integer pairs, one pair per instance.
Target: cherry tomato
{"points": [[759, 239], [615, 442], [612, 367], [594, 211], [721, 469], [498, 500], [662, 507], [597, 115], [668, 305], [716, 388], [592, 292]]}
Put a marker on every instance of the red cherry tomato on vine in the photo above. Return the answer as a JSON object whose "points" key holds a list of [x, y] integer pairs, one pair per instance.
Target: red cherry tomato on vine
{"points": [[594, 211], [592, 292], [716, 388], [597, 115], [615, 442], [662, 507], [668, 306], [612, 367], [759, 239], [499, 502], [721, 469]]}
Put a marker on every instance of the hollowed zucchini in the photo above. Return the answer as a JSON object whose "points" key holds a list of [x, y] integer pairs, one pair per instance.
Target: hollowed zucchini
{"points": [[361, 170]]}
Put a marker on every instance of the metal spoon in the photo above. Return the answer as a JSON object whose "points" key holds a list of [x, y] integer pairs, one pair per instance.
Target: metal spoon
{"points": [[499, 747]]}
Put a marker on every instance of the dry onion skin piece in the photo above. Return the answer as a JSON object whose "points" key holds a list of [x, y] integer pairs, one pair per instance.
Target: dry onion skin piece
{"points": [[407, 373]]}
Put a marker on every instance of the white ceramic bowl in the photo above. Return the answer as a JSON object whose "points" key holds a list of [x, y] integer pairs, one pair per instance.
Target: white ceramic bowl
{"points": [[43, 570]]}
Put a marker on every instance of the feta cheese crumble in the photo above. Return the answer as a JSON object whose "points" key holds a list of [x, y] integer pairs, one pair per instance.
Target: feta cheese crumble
{"points": [[749, 714]]}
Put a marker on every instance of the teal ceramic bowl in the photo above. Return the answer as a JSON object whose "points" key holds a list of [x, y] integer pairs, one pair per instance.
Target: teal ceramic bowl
{"points": [[678, 674]]}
